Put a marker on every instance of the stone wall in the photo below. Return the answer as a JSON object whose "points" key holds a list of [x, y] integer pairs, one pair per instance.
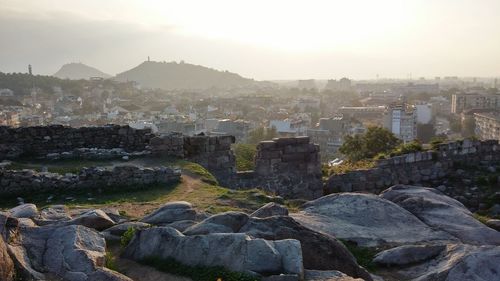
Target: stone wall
{"points": [[289, 167], [43, 140], [416, 168], [19, 182]]}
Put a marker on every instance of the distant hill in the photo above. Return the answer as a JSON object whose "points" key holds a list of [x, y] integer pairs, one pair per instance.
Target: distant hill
{"points": [[182, 75], [77, 71]]}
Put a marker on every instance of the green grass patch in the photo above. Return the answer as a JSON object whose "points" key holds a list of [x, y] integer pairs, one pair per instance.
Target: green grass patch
{"points": [[364, 255], [197, 273], [127, 236], [244, 154], [110, 261], [482, 218], [198, 170]]}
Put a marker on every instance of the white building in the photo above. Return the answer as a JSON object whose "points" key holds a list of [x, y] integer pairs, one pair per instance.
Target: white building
{"points": [[401, 120]]}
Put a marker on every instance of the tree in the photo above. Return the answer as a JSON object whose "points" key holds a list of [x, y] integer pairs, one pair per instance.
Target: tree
{"points": [[376, 140]]}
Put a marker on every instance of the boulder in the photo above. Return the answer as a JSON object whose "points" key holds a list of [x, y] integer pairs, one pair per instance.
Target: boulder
{"points": [[6, 264], [24, 211], [171, 212], [458, 262], [115, 232], [228, 222], [182, 225], [236, 251], [408, 254], [494, 223], [320, 251], [443, 213], [95, 219], [332, 275], [269, 210], [367, 220], [104, 274]]}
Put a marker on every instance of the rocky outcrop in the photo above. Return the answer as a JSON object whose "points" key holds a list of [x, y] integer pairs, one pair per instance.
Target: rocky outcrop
{"points": [[24, 211], [408, 254], [171, 212], [6, 264], [443, 213], [95, 219], [367, 220], [320, 251], [236, 251], [457, 262], [269, 210], [115, 232], [318, 275], [228, 222]]}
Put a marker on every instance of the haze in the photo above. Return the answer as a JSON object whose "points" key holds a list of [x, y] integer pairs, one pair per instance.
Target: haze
{"points": [[264, 40]]}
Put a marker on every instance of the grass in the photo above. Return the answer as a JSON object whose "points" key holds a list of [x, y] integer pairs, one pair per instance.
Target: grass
{"points": [[348, 166], [198, 170], [110, 261], [197, 273], [127, 236], [364, 256]]}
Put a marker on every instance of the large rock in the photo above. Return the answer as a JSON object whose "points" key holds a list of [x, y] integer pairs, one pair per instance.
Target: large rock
{"points": [[493, 223], [318, 275], [6, 264], [228, 222], [236, 251], [320, 251], [458, 262], [367, 220], [442, 212], [171, 212], [408, 254], [24, 211], [269, 210], [115, 232], [95, 219]]}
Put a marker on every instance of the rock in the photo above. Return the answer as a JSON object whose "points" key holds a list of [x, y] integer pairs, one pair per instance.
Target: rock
{"points": [[171, 212], [318, 275], [24, 211], [115, 232], [95, 219], [320, 251], [441, 188], [270, 209], [6, 264], [443, 213], [367, 220], [236, 251], [53, 214], [114, 214], [408, 254], [281, 277], [494, 223], [182, 225], [25, 222], [495, 210], [458, 262], [104, 274], [228, 222]]}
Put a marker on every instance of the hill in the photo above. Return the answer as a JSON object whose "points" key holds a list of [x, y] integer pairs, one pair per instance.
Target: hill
{"points": [[77, 71], [182, 75]]}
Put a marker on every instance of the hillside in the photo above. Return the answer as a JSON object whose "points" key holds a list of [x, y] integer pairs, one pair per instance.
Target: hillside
{"points": [[174, 75], [77, 71]]}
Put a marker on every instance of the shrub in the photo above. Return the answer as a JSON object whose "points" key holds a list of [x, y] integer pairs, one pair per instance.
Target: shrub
{"points": [[127, 236], [406, 148], [245, 154], [110, 261]]}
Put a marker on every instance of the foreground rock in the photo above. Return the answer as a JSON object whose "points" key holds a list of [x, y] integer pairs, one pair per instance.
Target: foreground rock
{"points": [[115, 232], [228, 222], [95, 219], [408, 254], [457, 262], [367, 220], [269, 210], [171, 212], [236, 251], [317, 275], [320, 251], [24, 211], [6, 264], [442, 212], [67, 252]]}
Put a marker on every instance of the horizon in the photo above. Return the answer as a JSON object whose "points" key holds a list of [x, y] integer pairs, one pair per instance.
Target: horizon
{"points": [[290, 40]]}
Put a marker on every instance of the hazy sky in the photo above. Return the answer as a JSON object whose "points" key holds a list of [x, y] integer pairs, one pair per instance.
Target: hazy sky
{"points": [[266, 39]]}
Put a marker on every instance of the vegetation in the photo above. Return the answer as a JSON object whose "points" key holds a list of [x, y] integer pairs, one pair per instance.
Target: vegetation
{"points": [[198, 170], [376, 140], [197, 273], [364, 256], [245, 154], [110, 261], [127, 236], [348, 166]]}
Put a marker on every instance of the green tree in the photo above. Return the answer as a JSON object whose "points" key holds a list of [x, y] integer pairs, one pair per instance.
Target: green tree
{"points": [[376, 140], [245, 154]]}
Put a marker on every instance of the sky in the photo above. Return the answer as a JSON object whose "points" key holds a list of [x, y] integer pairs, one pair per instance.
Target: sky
{"points": [[260, 39]]}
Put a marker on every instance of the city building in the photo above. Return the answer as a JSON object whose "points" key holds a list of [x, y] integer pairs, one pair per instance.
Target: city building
{"points": [[487, 125], [461, 102], [424, 113], [343, 84], [401, 120]]}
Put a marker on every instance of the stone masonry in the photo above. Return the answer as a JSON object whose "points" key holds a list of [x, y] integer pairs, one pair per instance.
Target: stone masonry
{"points": [[289, 167], [18, 183]]}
